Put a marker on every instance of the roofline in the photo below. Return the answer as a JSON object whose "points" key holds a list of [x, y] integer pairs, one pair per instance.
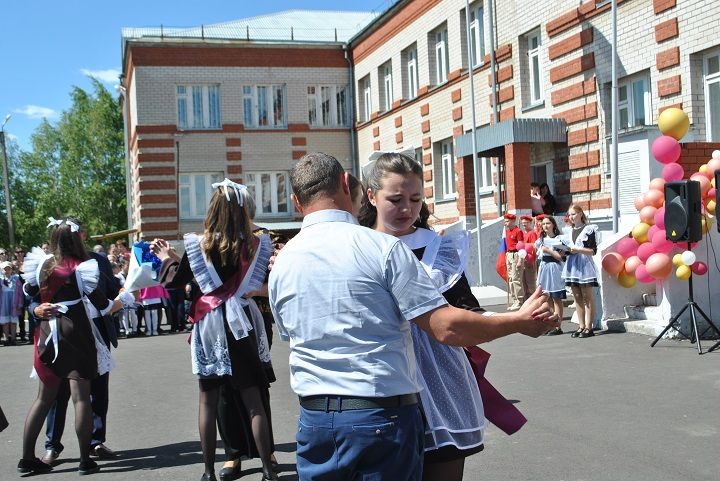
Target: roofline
{"points": [[379, 20]]}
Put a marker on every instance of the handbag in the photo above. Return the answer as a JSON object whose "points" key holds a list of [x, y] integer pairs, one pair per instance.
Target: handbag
{"points": [[498, 410]]}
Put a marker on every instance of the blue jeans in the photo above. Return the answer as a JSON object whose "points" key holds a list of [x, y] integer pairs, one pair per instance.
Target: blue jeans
{"points": [[360, 445]]}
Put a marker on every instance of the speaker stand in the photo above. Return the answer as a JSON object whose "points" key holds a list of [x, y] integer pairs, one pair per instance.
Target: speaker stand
{"points": [[694, 308]]}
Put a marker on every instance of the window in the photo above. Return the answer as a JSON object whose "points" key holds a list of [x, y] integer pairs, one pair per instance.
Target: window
{"points": [[264, 105], [449, 187], [633, 102], [441, 56], [534, 68], [477, 35], [411, 72], [327, 105], [387, 86], [271, 191], [195, 193], [485, 178], [365, 100], [198, 106], [711, 77]]}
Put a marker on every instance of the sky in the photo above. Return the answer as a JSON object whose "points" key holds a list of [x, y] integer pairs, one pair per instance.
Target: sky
{"points": [[48, 46]]}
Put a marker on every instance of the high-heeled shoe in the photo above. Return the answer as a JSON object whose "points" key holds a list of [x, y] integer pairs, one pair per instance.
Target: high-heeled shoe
{"points": [[32, 465], [229, 473], [208, 477]]}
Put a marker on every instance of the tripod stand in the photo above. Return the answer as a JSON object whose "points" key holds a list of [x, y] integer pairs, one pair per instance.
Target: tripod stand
{"points": [[694, 333]]}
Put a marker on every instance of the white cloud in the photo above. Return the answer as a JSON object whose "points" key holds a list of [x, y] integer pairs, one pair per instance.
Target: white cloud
{"points": [[107, 76], [37, 112], [11, 137]]}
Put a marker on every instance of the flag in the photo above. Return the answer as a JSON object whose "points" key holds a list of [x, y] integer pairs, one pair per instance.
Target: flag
{"points": [[500, 266]]}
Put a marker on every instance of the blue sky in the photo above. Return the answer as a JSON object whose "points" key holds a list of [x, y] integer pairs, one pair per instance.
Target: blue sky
{"points": [[49, 46]]}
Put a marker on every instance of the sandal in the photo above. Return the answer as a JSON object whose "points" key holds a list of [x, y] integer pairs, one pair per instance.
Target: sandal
{"points": [[577, 333], [586, 333]]}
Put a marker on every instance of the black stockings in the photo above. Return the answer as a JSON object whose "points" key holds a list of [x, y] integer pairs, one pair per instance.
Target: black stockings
{"points": [[447, 471]]}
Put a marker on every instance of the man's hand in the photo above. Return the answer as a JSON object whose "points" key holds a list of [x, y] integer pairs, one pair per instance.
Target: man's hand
{"points": [[271, 262], [539, 315]]}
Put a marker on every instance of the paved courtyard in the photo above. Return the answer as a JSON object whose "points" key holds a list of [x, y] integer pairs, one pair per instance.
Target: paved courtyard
{"points": [[604, 408]]}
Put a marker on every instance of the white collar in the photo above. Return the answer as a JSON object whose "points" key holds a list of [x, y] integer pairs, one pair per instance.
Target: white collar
{"points": [[418, 239]]}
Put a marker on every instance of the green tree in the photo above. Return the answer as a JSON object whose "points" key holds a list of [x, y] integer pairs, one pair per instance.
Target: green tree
{"points": [[76, 167]]}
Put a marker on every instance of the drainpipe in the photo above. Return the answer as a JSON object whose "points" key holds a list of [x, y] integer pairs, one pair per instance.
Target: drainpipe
{"points": [[122, 90], [354, 161], [493, 70], [478, 218], [615, 202]]}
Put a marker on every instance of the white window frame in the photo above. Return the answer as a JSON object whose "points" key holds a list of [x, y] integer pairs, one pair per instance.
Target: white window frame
{"points": [[485, 176], [477, 35], [367, 99], [198, 209], [412, 73], [447, 162], [628, 105], [253, 180], [336, 114], [187, 113], [251, 97], [708, 80], [442, 65], [535, 73], [388, 86]]}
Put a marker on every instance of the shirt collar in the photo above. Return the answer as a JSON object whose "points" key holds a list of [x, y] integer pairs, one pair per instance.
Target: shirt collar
{"points": [[328, 215]]}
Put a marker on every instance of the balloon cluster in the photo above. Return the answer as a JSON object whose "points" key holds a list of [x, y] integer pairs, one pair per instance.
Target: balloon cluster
{"points": [[526, 251], [644, 256]]}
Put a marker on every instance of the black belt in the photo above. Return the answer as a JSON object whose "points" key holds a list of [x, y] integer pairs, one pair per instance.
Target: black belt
{"points": [[348, 403], [512, 250]]}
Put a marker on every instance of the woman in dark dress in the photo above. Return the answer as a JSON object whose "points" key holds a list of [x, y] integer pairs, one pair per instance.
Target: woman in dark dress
{"points": [[548, 200], [224, 264], [450, 399], [66, 344]]}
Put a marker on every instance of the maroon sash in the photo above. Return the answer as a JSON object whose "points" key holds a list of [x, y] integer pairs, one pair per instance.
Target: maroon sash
{"points": [[207, 302]]}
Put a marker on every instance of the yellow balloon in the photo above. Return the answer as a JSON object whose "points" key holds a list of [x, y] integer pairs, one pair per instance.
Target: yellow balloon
{"points": [[683, 273], [703, 169], [626, 280], [674, 122], [710, 207], [640, 232], [677, 260]]}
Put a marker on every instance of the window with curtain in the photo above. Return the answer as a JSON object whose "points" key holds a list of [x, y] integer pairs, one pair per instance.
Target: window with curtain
{"points": [[534, 67], [195, 192], [198, 106], [327, 105], [711, 80], [271, 191], [449, 181], [633, 101], [365, 99], [411, 72], [264, 106], [442, 64], [387, 93]]}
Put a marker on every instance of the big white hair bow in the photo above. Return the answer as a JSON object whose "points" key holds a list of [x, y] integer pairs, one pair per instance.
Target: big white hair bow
{"points": [[58, 222], [372, 158], [228, 184]]}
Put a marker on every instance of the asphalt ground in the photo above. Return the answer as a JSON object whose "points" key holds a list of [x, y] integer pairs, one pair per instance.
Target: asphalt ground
{"points": [[603, 408]]}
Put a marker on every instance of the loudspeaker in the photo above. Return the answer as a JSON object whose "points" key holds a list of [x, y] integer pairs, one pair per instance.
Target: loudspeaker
{"points": [[683, 217]]}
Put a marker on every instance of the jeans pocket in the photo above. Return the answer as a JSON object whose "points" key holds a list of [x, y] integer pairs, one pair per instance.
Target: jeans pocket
{"points": [[385, 429]]}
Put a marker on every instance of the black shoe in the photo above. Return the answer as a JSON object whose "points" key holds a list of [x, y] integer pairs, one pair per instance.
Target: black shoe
{"points": [[34, 465], [103, 452], [586, 333], [270, 477], [228, 474], [88, 467], [208, 477], [576, 333], [554, 332]]}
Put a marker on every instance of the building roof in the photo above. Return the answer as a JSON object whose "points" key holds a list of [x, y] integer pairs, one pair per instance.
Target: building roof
{"points": [[302, 26], [508, 132]]}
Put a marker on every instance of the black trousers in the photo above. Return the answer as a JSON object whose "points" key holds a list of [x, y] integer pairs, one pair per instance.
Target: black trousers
{"points": [[99, 399]]}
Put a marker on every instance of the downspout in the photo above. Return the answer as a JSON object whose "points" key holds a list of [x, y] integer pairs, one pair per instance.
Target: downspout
{"points": [[493, 73], [354, 160], [122, 90]]}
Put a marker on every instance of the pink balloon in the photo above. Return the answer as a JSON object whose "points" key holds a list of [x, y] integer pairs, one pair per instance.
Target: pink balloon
{"points": [[639, 202], [660, 218], [673, 172], [704, 183], [660, 243], [641, 274], [645, 251], [647, 214], [665, 149], [659, 265], [520, 245], [652, 231], [712, 193], [613, 263], [658, 184], [631, 264], [713, 165], [699, 268], [627, 247], [654, 198]]}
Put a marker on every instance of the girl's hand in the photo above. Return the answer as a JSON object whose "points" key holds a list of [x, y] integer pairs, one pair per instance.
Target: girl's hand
{"points": [[46, 310], [162, 249]]}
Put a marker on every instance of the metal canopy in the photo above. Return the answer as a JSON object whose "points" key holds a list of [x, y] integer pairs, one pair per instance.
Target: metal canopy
{"points": [[512, 131]]}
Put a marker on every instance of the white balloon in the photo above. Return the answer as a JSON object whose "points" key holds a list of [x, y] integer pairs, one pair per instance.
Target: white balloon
{"points": [[716, 154], [522, 253], [689, 258]]}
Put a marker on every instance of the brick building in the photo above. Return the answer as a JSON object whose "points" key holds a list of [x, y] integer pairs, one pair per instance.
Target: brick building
{"points": [[242, 99], [553, 92]]}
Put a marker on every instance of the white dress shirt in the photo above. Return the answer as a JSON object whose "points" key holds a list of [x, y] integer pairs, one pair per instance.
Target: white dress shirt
{"points": [[344, 295]]}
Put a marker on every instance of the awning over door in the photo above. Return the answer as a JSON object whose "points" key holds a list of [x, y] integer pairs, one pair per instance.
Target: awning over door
{"points": [[512, 131]]}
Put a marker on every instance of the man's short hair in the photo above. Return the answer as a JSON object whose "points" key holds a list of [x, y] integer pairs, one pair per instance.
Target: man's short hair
{"points": [[534, 184], [315, 175]]}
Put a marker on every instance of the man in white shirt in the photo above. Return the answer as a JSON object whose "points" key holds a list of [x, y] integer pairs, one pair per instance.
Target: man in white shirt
{"points": [[344, 296]]}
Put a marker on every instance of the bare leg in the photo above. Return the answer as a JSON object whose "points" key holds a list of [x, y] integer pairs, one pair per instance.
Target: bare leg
{"points": [[558, 308], [448, 471], [589, 305], [36, 418], [260, 427], [579, 305], [207, 415]]}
